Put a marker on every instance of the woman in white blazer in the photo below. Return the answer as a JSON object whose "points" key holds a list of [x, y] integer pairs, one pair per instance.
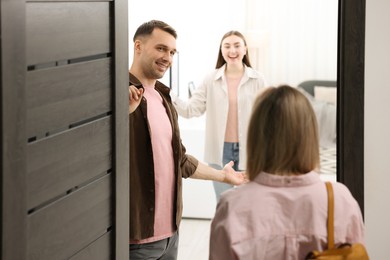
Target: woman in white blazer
{"points": [[226, 96]]}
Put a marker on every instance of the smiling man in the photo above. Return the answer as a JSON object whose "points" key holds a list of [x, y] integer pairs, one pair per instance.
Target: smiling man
{"points": [[158, 159]]}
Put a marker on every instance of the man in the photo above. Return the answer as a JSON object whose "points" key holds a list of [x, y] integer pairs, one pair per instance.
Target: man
{"points": [[158, 159]]}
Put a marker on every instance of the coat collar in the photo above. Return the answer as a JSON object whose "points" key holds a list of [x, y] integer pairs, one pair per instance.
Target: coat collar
{"points": [[287, 181], [248, 72]]}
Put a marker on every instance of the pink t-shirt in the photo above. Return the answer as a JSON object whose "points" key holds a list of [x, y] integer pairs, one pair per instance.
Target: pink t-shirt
{"points": [[161, 135]]}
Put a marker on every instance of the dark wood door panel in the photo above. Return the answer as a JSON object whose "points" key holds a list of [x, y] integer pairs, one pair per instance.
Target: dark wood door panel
{"points": [[101, 249], [64, 161], [60, 96], [63, 228], [65, 147], [65, 30]]}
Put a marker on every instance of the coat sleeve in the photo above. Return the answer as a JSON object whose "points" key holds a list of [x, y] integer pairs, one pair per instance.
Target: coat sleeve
{"points": [[350, 214], [194, 106], [220, 237]]}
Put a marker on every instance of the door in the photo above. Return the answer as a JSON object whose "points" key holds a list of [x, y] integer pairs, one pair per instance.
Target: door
{"points": [[64, 136]]}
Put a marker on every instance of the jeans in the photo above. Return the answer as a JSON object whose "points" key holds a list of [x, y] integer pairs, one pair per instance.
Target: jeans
{"points": [[165, 249], [230, 153]]}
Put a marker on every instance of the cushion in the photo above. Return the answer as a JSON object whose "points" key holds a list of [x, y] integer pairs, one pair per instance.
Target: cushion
{"points": [[326, 94]]}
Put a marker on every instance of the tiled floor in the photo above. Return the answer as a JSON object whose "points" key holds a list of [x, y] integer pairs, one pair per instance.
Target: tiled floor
{"points": [[194, 233]]}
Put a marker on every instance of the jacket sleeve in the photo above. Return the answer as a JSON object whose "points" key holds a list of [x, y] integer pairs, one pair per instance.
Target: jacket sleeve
{"points": [[350, 214], [194, 106], [356, 229], [188, 165], [220, 242]]}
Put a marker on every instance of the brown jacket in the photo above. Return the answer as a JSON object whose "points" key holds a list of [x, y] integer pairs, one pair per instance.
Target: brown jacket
{"points": [[142, 188]]}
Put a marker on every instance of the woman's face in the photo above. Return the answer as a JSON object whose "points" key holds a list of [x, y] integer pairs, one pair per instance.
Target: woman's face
{"points": [[233, 49]]}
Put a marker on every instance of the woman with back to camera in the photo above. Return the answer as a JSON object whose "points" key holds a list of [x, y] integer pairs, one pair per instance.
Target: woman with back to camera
{"points": [[226, 96], [281, 213]]}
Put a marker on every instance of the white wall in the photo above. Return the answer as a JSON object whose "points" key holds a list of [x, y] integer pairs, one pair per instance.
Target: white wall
{"points": [[297, 40], [377, 129], [288, 45]]}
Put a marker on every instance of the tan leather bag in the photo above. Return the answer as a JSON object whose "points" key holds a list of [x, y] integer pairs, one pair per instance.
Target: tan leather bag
{"points": [[345, 251]]}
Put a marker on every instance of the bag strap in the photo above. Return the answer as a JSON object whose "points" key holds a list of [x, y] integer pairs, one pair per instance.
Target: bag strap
{"points": [[329, 189]]}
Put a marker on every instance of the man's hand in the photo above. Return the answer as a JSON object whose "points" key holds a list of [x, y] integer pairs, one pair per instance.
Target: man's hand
{"points": [[135, 97], [233, 177], [227, 174]]}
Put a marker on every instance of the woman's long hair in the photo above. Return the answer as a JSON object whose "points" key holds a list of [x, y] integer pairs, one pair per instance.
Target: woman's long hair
{"points": [[221, 61]]}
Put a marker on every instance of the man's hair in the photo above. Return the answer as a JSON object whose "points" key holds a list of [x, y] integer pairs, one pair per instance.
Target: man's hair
{"points": [[282, 134], [147, 28]]}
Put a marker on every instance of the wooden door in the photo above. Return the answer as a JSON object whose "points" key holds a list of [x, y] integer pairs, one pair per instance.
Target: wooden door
{"points": [[64, 136]]}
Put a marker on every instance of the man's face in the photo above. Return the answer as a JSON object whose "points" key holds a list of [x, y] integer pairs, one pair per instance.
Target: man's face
{"points": [[156, 53]]}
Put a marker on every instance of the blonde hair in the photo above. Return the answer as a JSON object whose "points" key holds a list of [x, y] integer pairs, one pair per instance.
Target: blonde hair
{"points": [[283, 134]]}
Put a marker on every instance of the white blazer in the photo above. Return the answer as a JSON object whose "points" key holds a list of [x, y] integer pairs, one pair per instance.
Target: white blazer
{"points": [[212, 97]]}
